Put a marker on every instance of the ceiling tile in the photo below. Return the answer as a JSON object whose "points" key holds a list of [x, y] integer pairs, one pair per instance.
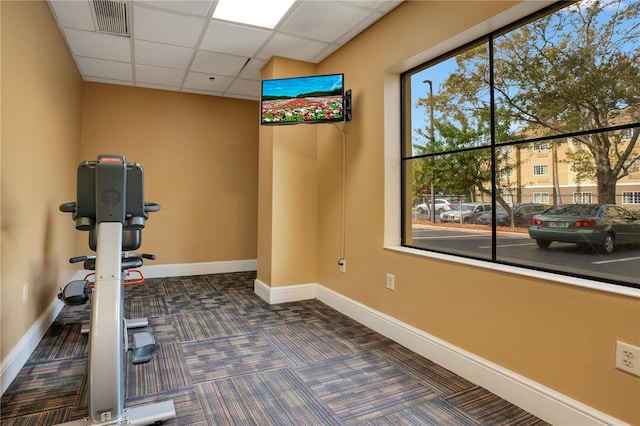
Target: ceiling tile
{"points": [[157, 75], [191, 7], [176, 45], [252, 70], [313, 19], [97, 45], [291, 47], [228, 38], [218, 63], [73, 14], [245, 87], [164, 27], [203, 82], [112, 70], [162, 55]]}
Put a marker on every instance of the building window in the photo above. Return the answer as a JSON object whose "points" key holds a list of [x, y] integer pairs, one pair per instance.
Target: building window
{"points": [[631, 197], [541, 169], [582, 197], [540, 146], [541, 197], [475, 120]]}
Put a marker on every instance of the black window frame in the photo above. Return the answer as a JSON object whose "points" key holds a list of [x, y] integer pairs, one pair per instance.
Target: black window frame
{"points": [[570, 137]]}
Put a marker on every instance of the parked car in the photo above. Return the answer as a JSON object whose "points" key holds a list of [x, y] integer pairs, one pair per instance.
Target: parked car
{"points": [[600, 226], [441, 205], [522, 214], [465, 213]]}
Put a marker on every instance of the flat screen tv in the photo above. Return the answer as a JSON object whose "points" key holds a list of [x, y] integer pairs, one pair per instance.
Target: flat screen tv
{"points": [[310, 99]]}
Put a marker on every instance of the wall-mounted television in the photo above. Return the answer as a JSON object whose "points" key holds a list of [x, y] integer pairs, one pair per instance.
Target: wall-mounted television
{"points": [[309, 99]]}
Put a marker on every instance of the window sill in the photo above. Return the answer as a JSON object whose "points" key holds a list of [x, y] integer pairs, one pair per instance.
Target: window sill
{"points": [[541, 275]]}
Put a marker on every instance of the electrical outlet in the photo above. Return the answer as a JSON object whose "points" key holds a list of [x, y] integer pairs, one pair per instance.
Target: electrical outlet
{"points": [[25, 292], [391, 281], [343, 265], [628, 358]]}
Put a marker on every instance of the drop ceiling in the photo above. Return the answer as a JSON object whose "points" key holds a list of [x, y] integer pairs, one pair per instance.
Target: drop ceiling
{"points": [[176, 45]]}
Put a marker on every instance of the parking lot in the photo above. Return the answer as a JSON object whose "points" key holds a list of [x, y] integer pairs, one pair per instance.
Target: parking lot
{"points": [[518, 248]]}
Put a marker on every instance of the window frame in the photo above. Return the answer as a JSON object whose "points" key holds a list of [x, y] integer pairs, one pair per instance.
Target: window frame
{"points": [[539, 144]]}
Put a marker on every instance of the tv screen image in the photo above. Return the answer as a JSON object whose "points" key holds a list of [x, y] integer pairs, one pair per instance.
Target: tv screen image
{"points": [[310, 99]]}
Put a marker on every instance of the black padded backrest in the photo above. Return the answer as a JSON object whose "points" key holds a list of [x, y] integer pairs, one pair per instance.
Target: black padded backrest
{"points": [[109, 179], [111, 190]]}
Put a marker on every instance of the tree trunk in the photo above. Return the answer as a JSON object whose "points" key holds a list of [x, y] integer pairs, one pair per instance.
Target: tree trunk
{"points": [[606, 186], [605, 177]]}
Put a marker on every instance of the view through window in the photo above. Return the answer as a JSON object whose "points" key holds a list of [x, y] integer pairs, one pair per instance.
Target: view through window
{"points": [[521, 148]]}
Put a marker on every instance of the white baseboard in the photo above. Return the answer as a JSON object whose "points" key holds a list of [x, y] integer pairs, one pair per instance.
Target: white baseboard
{"points": [[202, 268], [19, 355], [285, 294], [21, 352], [541, 401]]}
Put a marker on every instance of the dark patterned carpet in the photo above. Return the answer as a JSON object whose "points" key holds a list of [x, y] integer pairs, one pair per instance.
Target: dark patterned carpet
{"points": [[229, 358]]}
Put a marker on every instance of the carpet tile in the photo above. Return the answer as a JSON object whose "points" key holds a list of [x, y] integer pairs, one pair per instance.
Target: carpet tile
{"points": [[232, 356], [265, 316], [267, 398], [487, 408], [432, 413], [162, 329], [363, 386], [44, 386], [209, 325], [60, 342], [307, 342], [432, 374], [167, 372], [228, 358], [146, 307]]}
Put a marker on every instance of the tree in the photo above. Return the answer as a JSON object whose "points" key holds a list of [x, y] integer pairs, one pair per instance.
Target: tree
{"points": [[575, 70]]}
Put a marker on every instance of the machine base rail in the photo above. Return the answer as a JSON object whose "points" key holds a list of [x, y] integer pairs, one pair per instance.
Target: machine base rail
{"points": [[143, 415]]}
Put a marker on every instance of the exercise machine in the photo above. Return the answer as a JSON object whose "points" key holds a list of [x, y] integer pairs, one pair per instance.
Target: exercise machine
{"points": [[110, 206]]}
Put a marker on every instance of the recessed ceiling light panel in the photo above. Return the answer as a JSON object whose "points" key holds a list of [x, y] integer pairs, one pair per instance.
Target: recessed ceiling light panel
{"points": [[261, 13]]}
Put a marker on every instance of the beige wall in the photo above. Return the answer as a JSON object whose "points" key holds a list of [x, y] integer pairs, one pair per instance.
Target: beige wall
{"points": [[526, 325], [41, 110], [204, 172], [288, 237], [200, 157]]}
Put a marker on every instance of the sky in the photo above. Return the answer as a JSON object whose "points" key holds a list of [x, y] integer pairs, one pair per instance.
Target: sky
{"points": [[439, 73], [292, 87]]}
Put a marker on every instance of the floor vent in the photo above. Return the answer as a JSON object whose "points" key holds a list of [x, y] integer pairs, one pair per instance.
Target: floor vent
{"points": [[111, 17]]}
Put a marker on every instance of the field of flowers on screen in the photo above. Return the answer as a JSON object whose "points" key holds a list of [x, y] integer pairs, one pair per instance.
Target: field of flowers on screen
{"points": [[302, 109]]}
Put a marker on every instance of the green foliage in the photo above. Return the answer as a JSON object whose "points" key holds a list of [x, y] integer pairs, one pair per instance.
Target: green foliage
{"points": [[574, 70]]}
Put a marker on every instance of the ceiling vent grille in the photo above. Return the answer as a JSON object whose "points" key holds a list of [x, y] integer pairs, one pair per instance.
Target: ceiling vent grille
{"points": [[111, 17]]}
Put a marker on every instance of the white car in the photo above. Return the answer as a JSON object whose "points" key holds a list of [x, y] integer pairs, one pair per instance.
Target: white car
{"points": [[441, 206], [465, 213]]}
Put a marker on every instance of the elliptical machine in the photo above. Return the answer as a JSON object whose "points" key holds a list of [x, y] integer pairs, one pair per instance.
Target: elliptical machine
{"points": [[110, 206]]}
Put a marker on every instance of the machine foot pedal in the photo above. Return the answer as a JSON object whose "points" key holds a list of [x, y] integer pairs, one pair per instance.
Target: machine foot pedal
{"points": [[75, 293], [144, 347]]}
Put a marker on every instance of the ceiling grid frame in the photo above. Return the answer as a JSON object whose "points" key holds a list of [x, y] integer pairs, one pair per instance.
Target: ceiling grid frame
{"points": [[163, 32]]}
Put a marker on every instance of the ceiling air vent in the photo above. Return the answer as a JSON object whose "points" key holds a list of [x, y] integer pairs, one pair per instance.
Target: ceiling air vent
{"points": [[111, 17]]}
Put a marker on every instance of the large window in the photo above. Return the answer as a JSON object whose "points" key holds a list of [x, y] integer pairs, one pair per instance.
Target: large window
{"points": [[533, 118]]}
